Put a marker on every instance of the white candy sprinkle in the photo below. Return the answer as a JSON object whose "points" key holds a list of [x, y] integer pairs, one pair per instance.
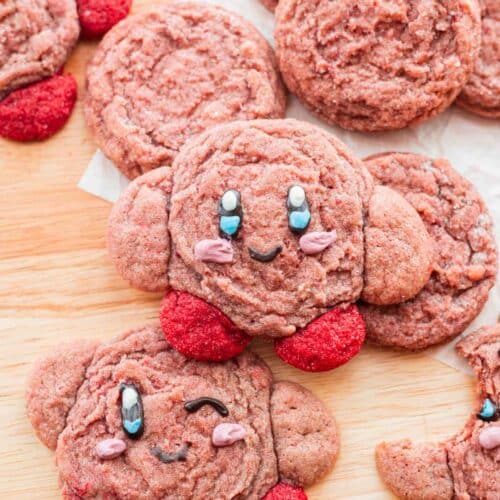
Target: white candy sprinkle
{"points": [[229, 201], [129, 397], [296, 196]]}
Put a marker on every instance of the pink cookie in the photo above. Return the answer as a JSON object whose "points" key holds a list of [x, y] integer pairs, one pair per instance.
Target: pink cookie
{"points": [[304, 231], [466, 259], [132, 418], [481, 95], [375, 65], [468, 465], [36, 38], [163, 76]]}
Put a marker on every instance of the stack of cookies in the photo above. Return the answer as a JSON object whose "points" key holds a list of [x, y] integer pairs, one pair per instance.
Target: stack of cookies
{"points": [[254, 225]]}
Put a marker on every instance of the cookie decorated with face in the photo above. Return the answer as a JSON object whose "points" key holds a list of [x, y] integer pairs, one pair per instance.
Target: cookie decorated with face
{"points": [[268, 228], [133, 418], [468, 465]]}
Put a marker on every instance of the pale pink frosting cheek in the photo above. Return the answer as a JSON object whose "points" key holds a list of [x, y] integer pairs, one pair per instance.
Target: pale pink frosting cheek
{"points": [[219, 251], [227, 434], [316, 242], [110, 448], [490, 437]]}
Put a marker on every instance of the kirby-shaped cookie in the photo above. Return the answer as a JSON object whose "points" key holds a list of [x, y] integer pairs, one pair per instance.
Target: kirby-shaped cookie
{"points": [[135, 419], [468, 465], [268, 227]]}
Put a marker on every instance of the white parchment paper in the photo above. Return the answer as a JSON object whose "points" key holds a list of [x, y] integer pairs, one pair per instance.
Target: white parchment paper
{"points": [[470, 143]]}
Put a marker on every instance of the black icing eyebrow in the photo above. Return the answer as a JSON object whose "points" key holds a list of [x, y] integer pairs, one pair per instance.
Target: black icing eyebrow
{"points": [[196, 404]]}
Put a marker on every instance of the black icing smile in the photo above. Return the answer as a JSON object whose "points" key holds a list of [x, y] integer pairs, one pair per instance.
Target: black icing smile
{"points": [[265, 257], [168, 458]]}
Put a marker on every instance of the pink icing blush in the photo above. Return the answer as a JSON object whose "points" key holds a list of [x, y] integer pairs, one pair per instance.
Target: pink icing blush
{"points": [[219, 251], [316, 242], [227, 434], [490, 437], [107, 449]]}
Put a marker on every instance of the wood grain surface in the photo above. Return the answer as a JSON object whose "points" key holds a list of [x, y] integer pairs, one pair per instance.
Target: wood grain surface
{"points": [[57, 283]]}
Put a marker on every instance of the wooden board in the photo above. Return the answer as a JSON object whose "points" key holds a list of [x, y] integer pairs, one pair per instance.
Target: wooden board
{"points": [[57, 283]]}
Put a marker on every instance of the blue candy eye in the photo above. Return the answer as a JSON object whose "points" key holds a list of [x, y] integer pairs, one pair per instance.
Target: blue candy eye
{"points": [[299, 221], [132, 411], [299, 215], [488, 412], [230, 214]]}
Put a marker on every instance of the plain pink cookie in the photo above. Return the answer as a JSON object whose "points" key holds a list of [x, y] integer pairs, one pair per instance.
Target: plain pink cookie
{"points": [[481, 95], [462, 467], [465, 262], [165, 75], [81, 400], [374, 65]]}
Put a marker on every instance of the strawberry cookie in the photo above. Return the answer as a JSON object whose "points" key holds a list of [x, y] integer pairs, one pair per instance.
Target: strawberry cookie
{"points": [[375, 65], [468, 465], [268, 227], [466, 258], [132, 418], [36, 39], [166, 75], [481, 95]]}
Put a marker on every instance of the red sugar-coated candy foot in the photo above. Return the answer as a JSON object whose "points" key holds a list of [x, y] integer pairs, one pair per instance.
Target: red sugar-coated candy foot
{"points": [[99, 16], [37, 112], [327, 342], [283, 491], [198, 330]]}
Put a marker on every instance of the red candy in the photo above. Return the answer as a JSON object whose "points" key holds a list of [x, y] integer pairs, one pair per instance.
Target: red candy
{"points": [[327, 342], [283, 491], [198, 330], [99, 16], [37, 112]]}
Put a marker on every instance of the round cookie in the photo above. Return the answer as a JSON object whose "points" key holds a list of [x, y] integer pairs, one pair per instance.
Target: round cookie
{"points": [[481, 95], [163, 76], [36, 38], [133, 418], [466, 259], [466, 466], [370, 66]]}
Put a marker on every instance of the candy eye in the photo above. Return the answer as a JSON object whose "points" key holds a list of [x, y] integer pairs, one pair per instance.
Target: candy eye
{"points": [[132, 411], [299, 215], [230, 214], [488, 412]]}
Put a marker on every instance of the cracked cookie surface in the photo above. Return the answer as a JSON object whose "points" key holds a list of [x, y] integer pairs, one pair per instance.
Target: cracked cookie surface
{"points": [[36, 37], [377, 65], [481, 95], [166, 380], [261, 160], [134, 419], [466, 261], [163, 76]]}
